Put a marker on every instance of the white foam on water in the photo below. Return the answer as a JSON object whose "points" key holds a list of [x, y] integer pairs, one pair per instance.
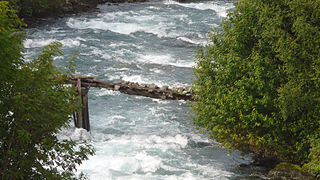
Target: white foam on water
{"points": [[112, 77], [106, 92], [131, 25], [96, 51], [121, 166], [87, 74], [55, 30], [32, 43], [221, 10], [160, 101], [158, 71], [142, 79], [134, 78], [123, 44], [118, 27], [138, 78], [76, 134], [153, 8], [35, 43], [152, 141], [179, 84], [148, 163], [156, 59], [106, 56], [166, 59], [117, 14], [128, 155], [70, 42], [179, 140], [193, 41], [132, 157]]}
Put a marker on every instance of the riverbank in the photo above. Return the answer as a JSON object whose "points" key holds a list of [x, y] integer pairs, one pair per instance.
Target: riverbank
{"points": [[62, 8]]}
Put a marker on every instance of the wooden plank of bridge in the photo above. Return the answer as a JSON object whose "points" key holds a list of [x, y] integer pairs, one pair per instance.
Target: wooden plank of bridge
{"points": [[85, 108], [148, 90], [81, 117]]}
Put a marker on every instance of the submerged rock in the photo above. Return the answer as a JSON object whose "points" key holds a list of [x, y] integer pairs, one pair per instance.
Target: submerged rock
{"points": [[287, 171]]}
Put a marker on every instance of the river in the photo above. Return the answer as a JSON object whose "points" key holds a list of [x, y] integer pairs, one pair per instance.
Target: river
{"points": [[152, 42]]}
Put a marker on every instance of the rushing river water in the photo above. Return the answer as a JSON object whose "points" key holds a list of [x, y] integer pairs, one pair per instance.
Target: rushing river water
{"points": [[153, 42]]}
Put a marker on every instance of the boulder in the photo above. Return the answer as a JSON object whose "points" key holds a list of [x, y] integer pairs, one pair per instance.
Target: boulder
{"points": [[164, 88], [116, 87], [152, 86]]}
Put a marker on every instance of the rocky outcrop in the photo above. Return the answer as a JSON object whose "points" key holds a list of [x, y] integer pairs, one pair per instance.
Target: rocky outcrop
{"points": [[287, 171]]}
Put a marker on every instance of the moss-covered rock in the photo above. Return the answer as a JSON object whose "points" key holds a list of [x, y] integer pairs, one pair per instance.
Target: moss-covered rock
{"points": [[287, 171]]}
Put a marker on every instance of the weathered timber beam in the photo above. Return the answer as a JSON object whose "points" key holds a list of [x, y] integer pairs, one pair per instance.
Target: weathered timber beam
{"points": [[148, 90]]}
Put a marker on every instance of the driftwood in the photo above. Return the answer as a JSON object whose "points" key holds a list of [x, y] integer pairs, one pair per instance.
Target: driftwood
{"points": [[148, 90]]}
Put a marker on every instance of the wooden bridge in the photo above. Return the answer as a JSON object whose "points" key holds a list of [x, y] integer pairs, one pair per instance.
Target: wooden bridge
{"points": [[81, 118]]}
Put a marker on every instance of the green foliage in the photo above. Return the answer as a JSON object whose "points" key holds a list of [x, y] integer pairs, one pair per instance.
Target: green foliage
{"points": [[10, 41], [29, 8], [257, 81], [314, 164], [34, 106]]}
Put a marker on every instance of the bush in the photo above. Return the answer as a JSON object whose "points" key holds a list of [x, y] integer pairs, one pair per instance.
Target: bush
{"points": [[34, 106], [34, 8], [257, 81], [314, 157]]}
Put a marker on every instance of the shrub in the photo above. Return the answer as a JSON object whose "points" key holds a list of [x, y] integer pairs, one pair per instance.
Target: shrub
{"points": [[34, 106], [257, 80], [314, 157]]}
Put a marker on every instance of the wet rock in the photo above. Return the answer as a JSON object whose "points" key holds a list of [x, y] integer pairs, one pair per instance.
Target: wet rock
{"points": [[143, 85], [152, 86], [117, 82], [180, 90], [117, 87], [174, 89], [163, 88]]}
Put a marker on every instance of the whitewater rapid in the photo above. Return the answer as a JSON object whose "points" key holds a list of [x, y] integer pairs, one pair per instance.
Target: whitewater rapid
{"points": [[152, 42]]}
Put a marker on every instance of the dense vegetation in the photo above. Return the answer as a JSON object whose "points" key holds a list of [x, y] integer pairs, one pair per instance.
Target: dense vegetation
{"points": [[34, 106], [27, 8], [30, 9], [258, 80]]}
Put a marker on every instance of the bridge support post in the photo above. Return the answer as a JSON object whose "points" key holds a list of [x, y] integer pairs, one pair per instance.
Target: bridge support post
{"points": [[81, 117]]}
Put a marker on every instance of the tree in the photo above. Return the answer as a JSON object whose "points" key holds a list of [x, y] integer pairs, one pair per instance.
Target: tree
{"points": [[257, 81], [34, 106]]}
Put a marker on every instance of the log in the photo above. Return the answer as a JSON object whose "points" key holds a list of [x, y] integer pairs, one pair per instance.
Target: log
{"points": [[147, 90]]}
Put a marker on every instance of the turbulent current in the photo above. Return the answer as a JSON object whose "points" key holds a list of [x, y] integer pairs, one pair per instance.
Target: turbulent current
{"points": [[153, 42]]}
